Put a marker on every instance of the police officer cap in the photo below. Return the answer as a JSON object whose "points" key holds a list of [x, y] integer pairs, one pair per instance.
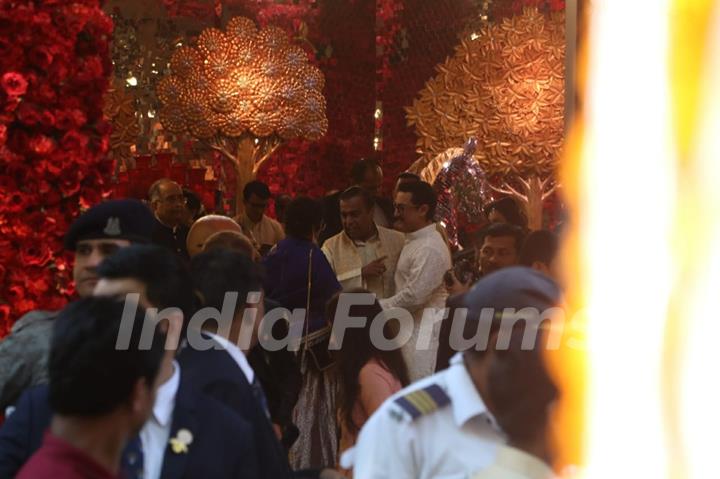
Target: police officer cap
{"points": [[514, 287], [115, 219]]}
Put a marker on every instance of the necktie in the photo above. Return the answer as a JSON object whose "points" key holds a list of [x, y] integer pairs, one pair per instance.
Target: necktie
{"points": [[260, 395], [133, 459]]}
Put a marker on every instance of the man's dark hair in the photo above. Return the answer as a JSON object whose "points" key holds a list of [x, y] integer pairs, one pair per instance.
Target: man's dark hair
{"points": [[89, 375], [521, 389], [495, 230], [166, 278], [360, 168], [422, 194], [257, 188], [302, 216], [541, 245], [221, 271], [509, 208], [354, 192], [406, 175], [359, 351]]}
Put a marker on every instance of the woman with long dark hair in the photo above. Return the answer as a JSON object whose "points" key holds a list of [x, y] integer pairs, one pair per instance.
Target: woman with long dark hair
{"points": [[365, 375]]}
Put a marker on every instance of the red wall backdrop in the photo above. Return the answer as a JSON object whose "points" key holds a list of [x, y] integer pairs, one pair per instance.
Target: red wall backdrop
{"points": [[433, 31], [352, 84], [315, 168]]}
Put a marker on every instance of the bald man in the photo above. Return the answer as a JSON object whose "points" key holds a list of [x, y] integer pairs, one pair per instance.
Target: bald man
{"points": [[170, 208], [205, 227]]}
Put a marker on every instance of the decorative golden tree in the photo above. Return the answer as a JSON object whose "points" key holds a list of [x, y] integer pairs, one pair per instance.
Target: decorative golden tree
{"points": [[504, 85], [244, 92]]}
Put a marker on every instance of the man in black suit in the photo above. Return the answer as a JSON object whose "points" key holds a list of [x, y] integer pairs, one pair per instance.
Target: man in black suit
{"points": [[169, 205], [189, 434], [367, 174], [224, 370]]}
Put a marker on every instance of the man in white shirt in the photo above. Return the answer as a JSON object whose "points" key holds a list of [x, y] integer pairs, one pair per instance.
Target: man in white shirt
{"points": [[524, 394], [450, 424], [364, 254], [265, 231], [419, 274]]}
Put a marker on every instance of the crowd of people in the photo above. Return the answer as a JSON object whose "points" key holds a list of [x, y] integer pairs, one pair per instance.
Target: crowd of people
{"points": [[161, 368]]}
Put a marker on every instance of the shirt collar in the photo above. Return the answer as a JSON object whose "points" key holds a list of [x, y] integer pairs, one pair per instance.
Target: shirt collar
{"points": [[237, 354], [466, 401], [520, 461], [172, 228], [165, 398], [373, 239], [423, 232], [248, 220]]}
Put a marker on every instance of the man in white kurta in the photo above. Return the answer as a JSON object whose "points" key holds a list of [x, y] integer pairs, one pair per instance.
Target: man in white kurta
{"points": [[363, 254], [419, 276]]}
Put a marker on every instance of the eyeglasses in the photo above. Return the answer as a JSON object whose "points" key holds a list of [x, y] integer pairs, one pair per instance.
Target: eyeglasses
{"points": [[400, 208]]}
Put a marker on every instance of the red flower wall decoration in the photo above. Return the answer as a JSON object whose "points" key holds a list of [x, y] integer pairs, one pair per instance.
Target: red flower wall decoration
{"points": [[54, 70]]}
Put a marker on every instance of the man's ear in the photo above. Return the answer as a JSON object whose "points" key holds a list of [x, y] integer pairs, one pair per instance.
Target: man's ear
{"points": [[141, 396], [423, 209], [174, 329]]}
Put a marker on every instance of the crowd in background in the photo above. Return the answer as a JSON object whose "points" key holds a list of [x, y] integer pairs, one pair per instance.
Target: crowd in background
{"points": [[78, 405]]}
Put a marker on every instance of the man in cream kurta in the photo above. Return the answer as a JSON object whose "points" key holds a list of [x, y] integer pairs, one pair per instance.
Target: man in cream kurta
{"points": [[419, 275], [363, 255]]}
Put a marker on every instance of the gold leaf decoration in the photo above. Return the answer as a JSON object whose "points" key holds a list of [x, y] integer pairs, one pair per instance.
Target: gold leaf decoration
{"points": [[504, 85], [243, 92], [119, 109], [241, 29], [243, 81]]}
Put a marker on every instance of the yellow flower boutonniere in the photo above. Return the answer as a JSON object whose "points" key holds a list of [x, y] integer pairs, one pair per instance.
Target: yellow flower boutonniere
{"points": [[181, 441]]}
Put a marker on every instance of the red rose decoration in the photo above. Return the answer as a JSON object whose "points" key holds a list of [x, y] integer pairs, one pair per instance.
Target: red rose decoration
{"points": [[41, 144], [91, 70], [54, 71], [73, 140], [41, 57], [14, 84], [69, 119], [28, 114], [15, 202]]}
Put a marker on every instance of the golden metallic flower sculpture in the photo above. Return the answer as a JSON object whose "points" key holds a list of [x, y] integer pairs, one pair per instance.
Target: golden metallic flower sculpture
{"points": [[244, 91], [506, 86], [119, 109]]}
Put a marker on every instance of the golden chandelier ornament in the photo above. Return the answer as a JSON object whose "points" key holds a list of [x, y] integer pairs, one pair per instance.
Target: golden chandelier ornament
{"points": [[243, 91], [505, 85]]}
